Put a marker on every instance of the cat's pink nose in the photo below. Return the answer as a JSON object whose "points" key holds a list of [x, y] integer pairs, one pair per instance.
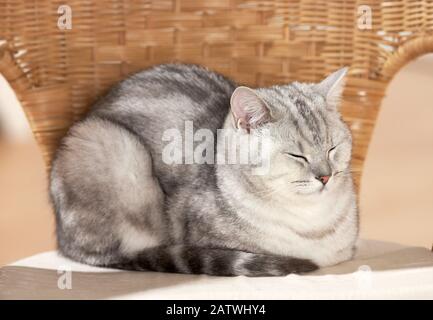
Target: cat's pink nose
{"points": [[323, 179]]}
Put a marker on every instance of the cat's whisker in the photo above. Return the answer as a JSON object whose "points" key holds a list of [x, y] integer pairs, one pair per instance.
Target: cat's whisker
{"points": [[300, 181]]}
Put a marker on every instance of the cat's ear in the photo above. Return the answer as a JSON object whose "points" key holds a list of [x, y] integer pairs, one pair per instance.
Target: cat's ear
{"points": [[248, 109], [332, 87]]}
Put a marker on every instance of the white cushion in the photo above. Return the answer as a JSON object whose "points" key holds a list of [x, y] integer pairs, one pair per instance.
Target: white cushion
{"points": [[379, 270]]}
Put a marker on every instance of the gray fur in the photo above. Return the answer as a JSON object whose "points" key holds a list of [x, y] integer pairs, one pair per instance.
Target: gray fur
{"points": [[118, 204]]}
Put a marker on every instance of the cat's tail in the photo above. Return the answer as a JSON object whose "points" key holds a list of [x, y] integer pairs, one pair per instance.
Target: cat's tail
{"points": [[213, 261]]}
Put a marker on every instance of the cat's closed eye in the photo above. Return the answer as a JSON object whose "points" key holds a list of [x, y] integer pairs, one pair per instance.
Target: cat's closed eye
{"points": [[330, 150], [297, 156]]}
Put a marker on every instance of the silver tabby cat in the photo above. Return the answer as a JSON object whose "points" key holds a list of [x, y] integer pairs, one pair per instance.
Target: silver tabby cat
{"points": [[119, 205]]}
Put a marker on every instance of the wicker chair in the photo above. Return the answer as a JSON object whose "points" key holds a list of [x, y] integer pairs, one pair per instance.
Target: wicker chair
{"points": [[58, 73]]}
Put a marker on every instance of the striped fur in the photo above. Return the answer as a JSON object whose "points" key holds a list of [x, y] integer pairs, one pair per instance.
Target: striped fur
{"points": [[118, 204], [213, 261]]}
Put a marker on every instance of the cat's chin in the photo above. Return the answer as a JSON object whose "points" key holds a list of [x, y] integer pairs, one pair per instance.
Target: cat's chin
{"points": [[309, 192], [312, 191]]}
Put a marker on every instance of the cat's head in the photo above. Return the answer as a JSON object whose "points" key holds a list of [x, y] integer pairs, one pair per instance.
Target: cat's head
{"points": [[309, 144]]}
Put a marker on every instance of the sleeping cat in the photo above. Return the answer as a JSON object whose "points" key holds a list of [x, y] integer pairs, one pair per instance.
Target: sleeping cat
{"points": [[119, 205]]}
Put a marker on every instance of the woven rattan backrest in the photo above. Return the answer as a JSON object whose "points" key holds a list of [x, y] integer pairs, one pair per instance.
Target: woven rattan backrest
{"points": [[57, 73]]}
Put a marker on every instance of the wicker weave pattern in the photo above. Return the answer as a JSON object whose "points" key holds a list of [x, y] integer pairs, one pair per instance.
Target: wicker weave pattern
{"points": [[57, 74]]}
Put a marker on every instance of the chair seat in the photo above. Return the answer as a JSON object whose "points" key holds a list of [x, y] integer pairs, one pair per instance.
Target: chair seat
{"points": [[379, 270]]}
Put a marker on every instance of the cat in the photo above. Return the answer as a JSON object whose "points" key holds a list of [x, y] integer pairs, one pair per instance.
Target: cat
{"points": [[118, 205]]}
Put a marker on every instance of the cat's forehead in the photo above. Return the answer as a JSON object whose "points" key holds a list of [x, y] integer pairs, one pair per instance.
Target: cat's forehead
{"points": [[303, 117], [307, 128], [295, 92]]}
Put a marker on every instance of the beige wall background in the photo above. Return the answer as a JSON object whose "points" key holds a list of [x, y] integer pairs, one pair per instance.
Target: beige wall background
{"points": [[396, 200], [397, 192]]}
